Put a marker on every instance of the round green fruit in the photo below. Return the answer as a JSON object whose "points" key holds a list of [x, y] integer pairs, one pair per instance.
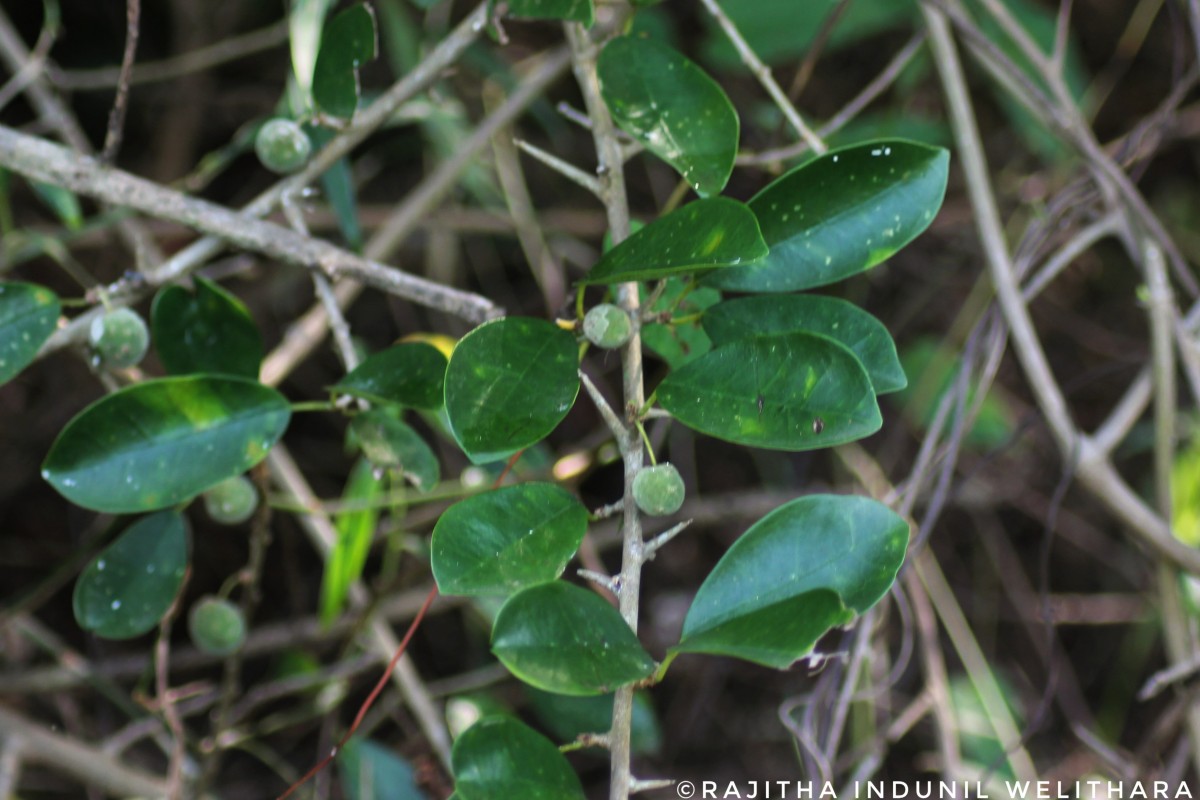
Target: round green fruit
{"points": [[607, 326], [119, 339], [282, 146], [658, 490], [216, 626], [231, 502]]}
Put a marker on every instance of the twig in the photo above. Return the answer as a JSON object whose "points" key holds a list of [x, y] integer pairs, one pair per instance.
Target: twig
{"points": [[82, 762], [762, 74], [653, 546], [216, 54], [564, 168], [116, 117], [165, 701], [546, 269], [51, 163]]}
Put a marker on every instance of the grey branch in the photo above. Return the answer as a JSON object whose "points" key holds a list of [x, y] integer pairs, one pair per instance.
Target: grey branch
{"points": [[51, 163]]}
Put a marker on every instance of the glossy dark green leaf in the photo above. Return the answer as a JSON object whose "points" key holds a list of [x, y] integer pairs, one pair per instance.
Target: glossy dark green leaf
{"points": [[208, 330], [509, 383], [412, 374], [671, 106], [347, 42], [506, 539], [565, 639], [161, 442], [390, 444], [845, 322], [355, 530], [368, 770], [500, 758], [28, 314], [567, 717], [128, 588], [701, 236], [575, 10], [841, 214], [807, 566], [794, 391]]}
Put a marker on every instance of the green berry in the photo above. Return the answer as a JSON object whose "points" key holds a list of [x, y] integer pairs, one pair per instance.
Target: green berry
{"points": [[119, 339], [231, 502], [607, 326], [282, 146], [216, 626], [658, 490]]}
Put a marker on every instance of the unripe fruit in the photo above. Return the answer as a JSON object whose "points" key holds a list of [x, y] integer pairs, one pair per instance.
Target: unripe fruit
{"points": [[119, 339], [607, 326], [231, 502], [282, 146], [658, 490], [216, 626]]}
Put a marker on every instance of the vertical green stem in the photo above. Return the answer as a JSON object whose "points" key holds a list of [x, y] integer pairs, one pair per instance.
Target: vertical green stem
{"points": [[612, 178]]}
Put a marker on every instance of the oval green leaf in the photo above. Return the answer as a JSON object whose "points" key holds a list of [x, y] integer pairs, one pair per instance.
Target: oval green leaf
{"points": [[162, 442], [347, 43], [500, 758], [842, 213], [701, 236], [412, 374], [355, 531], [508, 385], [795, 391], [575, 10], [807, 566], [565, 639], [865, 336], [389, 443], [28, 314], [504, 540], [128, 588], [208, 330], [671, 106]]}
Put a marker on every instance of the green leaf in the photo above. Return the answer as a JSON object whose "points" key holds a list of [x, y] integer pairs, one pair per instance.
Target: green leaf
{"points": [[837, 319], [62, 202], [337, 183], [794, 391], [508, 385], [841, 214], [368, 770], [506, 539], [567, 717], [703, 235], [347, 43], [389, 443], [411, 374], [807, 566], [671, 106], [565, 639], [576, 10], [28, 314], [305, 21], [161, 442], [355, 530], [499, 758], [679, 342], [128, 588], [208, 330]]}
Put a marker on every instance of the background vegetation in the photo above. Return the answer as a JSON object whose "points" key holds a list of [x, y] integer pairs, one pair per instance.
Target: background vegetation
{"points": [[1044, 624]]}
